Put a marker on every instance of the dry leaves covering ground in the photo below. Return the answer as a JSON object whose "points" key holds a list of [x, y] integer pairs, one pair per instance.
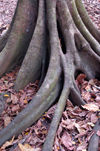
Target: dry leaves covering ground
{"points": [[76, 125], [7, 8]]}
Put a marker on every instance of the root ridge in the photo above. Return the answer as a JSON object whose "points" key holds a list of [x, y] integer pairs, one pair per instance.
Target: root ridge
{"points": [[53, 29]]}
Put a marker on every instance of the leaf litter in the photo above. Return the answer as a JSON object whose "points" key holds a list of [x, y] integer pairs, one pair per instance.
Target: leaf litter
{"points": [[75, 128]]}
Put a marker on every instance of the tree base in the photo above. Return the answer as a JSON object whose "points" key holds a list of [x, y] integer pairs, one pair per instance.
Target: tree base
{"points": [[77, 50]]}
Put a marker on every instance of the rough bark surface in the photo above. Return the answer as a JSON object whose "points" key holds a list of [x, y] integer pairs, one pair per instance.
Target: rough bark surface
{"points": [[56, 43]]}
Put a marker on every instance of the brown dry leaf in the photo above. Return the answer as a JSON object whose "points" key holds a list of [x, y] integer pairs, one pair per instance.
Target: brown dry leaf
{"points": [[8, 143], [66, 140], [7, 120], [69, 123], [86, 96], [6, 95], [88, 88], [14, 99], [8, 100], [98, 133], [15, 108], [81, 78], [91, 107], [82, 146], [27, 147], [25, 102], [79, 128], [97, 98], [94, 118], [91, 124]]}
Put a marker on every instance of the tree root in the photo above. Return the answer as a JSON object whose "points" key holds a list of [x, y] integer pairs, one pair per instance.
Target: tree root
{"points": [[29, 115], [78, 21], [20, 35], [95, 139], [48, 145], [87, 21], [31, 65], [74, 51], [4, 37]]}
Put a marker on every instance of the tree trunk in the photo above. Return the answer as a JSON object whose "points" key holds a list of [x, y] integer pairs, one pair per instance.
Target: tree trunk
{"points": [[51, 39]]}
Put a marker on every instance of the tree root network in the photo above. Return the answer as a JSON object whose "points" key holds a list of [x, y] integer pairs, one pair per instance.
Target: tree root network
{"points": [[53, 41]]}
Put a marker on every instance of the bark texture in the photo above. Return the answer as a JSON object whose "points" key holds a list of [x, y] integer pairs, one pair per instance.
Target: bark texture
{"points": [[54, 43]]}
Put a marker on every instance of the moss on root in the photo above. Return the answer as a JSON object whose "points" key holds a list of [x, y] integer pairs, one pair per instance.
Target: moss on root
{"points": [[75, 49]]}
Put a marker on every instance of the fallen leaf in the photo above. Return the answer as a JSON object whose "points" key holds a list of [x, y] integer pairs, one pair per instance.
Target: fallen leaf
{"points": [[14, 99], [6, 95], [91, 124], [7, 120], [81, 78], [25, 101], [8, 143], [98, 133], [79, 128], [94, 118], [82, 146], [91, 107], [66, 140], [27, 147], [15, 108]]}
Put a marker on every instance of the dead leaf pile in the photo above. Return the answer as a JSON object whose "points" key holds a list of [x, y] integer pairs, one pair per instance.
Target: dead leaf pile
{"points": [[75, 129], [15, 101]]}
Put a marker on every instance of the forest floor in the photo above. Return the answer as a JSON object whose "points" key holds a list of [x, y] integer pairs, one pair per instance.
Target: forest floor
{"points": [[76, 125]]}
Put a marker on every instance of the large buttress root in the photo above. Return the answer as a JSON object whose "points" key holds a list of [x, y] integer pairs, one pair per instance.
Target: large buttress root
{"points": [[20, 35], [80, 53], [85, 59], [31, 65], [68, 70], [43, 99], [80, 25], [87, 21]]}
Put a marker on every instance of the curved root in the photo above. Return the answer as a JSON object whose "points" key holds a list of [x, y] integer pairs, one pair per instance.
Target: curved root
{"points": [[20, 35], [87, 21], [31, 65], [77, 56], [95, 139]]}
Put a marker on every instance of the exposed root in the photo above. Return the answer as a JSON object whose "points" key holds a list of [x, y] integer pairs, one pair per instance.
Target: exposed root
{"points": [[77, 56], [76, 97], [82, 53], [20, 36], [48, 145], [87, 21], [40, 103], [2, 102], [80, 25], [29, 115], [95, 139], [42, 99]]}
